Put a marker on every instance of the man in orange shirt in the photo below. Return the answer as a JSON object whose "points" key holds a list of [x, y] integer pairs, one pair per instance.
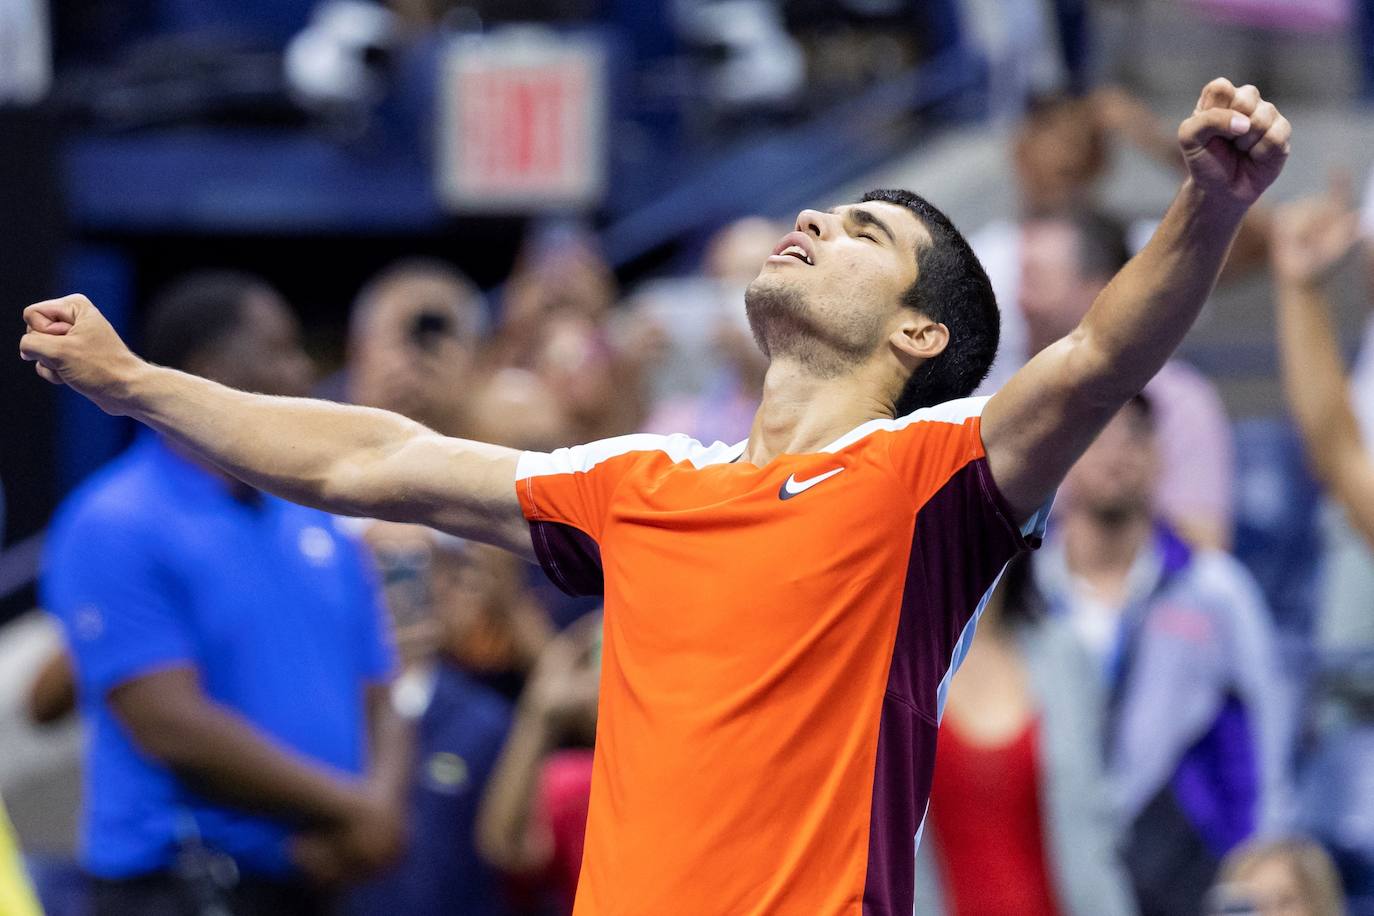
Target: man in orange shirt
{"points": [[781, 615]]}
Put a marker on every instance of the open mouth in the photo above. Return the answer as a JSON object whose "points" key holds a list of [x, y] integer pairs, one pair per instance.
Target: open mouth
{"points": [[795, 245]]}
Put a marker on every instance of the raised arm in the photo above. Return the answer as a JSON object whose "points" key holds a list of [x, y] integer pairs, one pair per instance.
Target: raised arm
{"points": [[343, 459], [1034, 429], [1310, 238]]}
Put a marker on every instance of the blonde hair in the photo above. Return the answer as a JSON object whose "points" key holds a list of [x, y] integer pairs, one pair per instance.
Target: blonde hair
{"points": [[1311, 866]]}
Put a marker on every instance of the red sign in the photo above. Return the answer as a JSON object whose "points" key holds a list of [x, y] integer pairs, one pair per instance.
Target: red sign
{"points": [[523, 123]]}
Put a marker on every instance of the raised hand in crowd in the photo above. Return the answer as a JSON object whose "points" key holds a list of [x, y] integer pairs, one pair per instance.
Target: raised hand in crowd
{"points": [[1311, 238]]}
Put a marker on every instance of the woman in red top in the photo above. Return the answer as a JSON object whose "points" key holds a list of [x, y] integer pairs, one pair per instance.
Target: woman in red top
{"points": [[1018, 819]]}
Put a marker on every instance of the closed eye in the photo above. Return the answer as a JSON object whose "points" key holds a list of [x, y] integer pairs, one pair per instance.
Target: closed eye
{"points": [[865, 235]]}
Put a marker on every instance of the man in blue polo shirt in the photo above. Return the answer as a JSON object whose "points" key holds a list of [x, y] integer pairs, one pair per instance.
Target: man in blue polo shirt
{"points": [[230, 656]]}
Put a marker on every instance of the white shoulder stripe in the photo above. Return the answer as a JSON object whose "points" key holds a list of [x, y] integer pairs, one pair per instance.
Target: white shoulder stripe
{"points": [[582, 458], [679, 447], [949, 412]]}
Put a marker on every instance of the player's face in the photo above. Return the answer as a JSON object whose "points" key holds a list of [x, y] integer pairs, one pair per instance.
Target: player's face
{"points": [[837, 279]]}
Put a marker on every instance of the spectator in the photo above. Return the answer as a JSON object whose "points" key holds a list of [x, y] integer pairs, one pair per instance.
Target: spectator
{"points": [[1310, 239], [1020, 819], [460, 725], [230, 656], [1285, 877], [1061, 152], [516, 408], [488, 623], [52, 695], [556, 322], [1196, 725], [1066, 262], [535, 811], [413, 338], [701, 322]]}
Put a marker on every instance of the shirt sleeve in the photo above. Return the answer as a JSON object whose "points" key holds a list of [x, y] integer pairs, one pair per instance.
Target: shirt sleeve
{"points": [[105, 578], [939, 449], [566, 496]]}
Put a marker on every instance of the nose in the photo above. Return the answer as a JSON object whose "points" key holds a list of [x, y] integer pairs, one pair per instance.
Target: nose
{"points": [[814, 222]]}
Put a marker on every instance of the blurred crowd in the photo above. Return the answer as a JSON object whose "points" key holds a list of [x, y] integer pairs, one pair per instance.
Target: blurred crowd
{"points": [[281, 711]]}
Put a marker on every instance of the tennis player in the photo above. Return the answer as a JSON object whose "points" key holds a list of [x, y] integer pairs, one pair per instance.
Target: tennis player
{"points": [[783, 614]]}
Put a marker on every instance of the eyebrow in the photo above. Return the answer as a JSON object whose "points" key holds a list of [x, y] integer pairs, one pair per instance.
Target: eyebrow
{"points": [[866, 218]]}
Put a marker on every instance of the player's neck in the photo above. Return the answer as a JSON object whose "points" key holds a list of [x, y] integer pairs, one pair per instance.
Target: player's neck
{"points": [[801, 413]]}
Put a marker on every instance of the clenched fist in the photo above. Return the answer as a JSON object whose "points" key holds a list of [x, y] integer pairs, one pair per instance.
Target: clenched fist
{"points": [[73, 344], [1235, 143]]}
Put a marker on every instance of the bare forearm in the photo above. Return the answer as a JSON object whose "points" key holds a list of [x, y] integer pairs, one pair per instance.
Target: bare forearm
{"points": [[504, 822], [340, 458], [391, 738], [1314, 381], [293, 447], [225, 757], [1146, 311]]}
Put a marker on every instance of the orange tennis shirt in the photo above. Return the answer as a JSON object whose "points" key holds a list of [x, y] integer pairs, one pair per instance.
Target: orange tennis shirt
{"points": [[777, 644]]}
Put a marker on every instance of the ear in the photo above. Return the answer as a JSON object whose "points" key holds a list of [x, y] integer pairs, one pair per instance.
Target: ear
{"points": [[918, 340]]}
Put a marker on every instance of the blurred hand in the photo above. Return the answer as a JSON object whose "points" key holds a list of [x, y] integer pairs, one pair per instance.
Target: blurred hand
{"points": [[1310, 237], [73, 344], [1235, 143], [563, 689], [368, 839]]}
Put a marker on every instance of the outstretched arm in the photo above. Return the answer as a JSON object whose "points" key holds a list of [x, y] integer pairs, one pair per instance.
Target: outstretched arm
{"points": [[340, 458], [1034, 429], [1310, 238]]}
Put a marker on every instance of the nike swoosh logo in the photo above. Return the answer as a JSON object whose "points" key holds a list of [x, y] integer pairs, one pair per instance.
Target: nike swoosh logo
{"points": [[793, 487]]}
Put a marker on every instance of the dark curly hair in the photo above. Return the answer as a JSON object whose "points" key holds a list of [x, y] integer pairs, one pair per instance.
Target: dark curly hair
{"points": [[952, 288]]}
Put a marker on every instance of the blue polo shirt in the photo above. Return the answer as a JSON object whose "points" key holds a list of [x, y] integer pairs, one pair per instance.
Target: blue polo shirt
{"points": [[153, 563]]}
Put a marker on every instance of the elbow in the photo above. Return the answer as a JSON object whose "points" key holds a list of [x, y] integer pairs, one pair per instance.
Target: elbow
{"points": [[172, 735], [171, 746]]}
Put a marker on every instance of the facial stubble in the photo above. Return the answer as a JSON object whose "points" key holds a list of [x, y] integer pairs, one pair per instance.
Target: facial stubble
{"points": [[786, 327]]}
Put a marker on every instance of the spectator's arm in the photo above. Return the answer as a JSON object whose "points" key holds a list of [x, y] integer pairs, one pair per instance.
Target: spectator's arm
{"points": [[1035, 428], [509, 835], [1310, 238], [390, 744], [172, 720], [343, 459], [561, 695], [52, 695]]}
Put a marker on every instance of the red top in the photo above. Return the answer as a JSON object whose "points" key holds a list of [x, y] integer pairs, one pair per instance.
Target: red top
{"points": [[565, 786], [985, 820]]}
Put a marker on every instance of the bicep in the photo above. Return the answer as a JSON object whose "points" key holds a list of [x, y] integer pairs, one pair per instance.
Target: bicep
{"points": [[1043, 419], [462, 487]]}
